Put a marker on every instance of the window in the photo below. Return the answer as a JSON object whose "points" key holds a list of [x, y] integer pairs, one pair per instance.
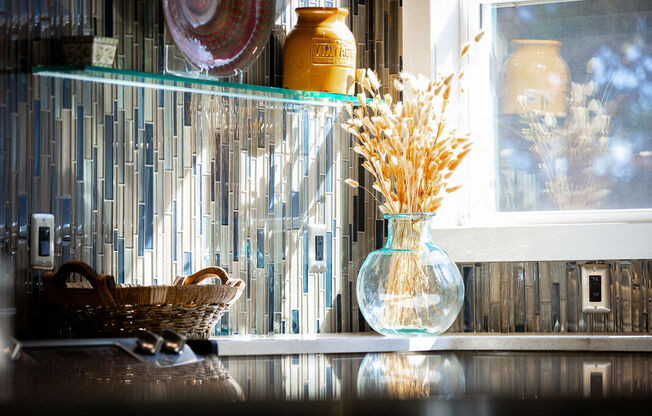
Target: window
{"points": [[560, 94]]}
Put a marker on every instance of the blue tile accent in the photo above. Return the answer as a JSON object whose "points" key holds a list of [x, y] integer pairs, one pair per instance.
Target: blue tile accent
{"points": [[306, 139], [108, 18], [317, 326], [329, 374], [236, 254], [271, 178], [80, 143], [65, 218], [271, 297], [187, 263], [37, 137], [141, 104], [329, 270], [260, 248], [149, 146], [295, 210], [141, 229], [22, 216], [121, 260], [295, 321], [108, 156], [283, 327], [248, 268], [224, 208], [174, 230], [149, 208], [186, 111], [115, 240], [329, 154], [67, 98], [361, 196], [305, 260]]}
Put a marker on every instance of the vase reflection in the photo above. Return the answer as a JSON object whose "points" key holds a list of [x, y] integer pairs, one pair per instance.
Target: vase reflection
{"points": [[410, 376]]}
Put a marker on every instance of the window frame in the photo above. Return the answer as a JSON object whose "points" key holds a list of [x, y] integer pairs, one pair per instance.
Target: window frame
{"points": [[470, 228]]}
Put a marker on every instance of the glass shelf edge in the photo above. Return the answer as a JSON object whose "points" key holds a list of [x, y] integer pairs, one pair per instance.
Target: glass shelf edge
{"points": [[246, 91]]}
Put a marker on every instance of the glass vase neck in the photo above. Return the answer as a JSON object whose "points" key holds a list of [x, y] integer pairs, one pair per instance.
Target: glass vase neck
{"points": [[406, 231]]}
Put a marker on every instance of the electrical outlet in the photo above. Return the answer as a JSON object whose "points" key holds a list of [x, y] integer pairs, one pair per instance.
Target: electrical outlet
{"points": [[316, 248], [596, 281], [42, 241], [597, 379]]}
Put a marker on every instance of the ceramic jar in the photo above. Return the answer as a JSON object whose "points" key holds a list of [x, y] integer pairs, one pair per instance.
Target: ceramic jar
{"points": [[320, 52], [536, 71]]}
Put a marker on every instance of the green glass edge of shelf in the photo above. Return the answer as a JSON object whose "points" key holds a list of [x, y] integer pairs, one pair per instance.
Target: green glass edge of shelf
{"points": [[158, 81]]}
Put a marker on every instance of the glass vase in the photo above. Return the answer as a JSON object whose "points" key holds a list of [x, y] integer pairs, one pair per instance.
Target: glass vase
{"points": [[410, 286]]}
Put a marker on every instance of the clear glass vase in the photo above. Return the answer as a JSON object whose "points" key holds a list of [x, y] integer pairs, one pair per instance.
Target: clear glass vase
{"points": [[410, 286]]}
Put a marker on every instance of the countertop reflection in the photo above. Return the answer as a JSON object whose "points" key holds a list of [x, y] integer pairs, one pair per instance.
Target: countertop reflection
{"points": [[104, 373]]}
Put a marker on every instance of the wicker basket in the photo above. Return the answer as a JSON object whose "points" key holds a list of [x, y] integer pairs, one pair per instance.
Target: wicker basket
{"points": [[102, 308]]}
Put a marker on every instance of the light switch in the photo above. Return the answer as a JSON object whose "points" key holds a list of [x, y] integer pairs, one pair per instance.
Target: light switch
{"points": [[42, 241]]}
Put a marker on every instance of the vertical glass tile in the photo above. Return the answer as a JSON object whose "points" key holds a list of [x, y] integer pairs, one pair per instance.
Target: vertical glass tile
{"points": [[23, 216], [149, 146], [467, 308], [271, 179], [80, 143], [187, 263], [260, 248], [121, 260], [271, 297], [149, 207], [174, 230], [108, 156], [224, 203], [305, 260], [329, 270], [36, 138], [248, 268], [295, 321], [141, 229], [329, 154], [235, 236], [65, 218]]}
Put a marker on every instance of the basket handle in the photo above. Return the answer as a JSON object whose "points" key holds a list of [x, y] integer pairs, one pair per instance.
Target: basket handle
{"points": [[100, 282], [212, 271]]}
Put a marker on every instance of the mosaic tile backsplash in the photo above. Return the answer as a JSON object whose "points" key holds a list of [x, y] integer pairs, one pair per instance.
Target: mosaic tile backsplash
{"points": [[147, 184]]}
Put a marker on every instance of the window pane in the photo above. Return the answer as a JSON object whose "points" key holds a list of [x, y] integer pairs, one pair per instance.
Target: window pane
{"points": [[572, 84]]}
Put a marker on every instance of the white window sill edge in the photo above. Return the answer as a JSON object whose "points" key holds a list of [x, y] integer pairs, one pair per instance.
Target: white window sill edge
{"points": [[546, 242]]}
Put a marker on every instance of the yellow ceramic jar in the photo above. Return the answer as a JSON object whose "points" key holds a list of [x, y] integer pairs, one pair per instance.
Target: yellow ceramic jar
{"points": [[319, 53], [537, 71]]}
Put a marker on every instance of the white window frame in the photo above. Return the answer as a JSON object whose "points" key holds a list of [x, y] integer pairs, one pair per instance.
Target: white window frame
{"points": [[468, 226]]}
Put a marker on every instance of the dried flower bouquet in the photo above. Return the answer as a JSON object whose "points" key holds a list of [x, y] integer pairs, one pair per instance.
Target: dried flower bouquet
{"points": [[411, 148]]}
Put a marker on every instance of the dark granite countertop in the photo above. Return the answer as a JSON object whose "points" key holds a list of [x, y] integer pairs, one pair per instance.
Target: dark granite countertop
{"points": [[105, 380]]}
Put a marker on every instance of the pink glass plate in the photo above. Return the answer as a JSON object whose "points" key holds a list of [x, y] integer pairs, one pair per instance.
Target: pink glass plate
{"points": [[220, 36]]}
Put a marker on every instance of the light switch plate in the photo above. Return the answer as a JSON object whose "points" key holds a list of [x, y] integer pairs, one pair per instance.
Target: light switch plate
{"points": [[596, 281], [596, 379], [317, 248], [42, 241]]}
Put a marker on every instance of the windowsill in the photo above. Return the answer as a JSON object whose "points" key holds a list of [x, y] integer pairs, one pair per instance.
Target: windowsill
{"points": [[546, 242]]}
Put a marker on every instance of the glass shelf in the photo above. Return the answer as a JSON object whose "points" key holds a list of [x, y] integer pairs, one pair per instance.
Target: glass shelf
{"points": [[198, 85]]}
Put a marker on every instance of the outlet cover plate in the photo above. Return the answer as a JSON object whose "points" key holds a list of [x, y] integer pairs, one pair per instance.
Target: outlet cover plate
{"points": [[596, 285]]}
